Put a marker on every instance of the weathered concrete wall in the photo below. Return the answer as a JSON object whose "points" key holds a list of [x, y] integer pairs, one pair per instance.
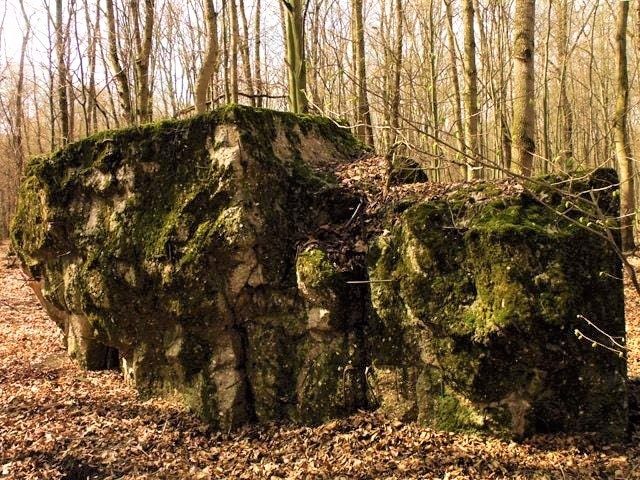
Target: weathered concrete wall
{"points": [[477, 325], [175, 244], [177, 250]]}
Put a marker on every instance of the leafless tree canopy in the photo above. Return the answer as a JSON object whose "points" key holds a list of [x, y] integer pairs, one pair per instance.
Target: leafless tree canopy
{"points": [[469, 88]]}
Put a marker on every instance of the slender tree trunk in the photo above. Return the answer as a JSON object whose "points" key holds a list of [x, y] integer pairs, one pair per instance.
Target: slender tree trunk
{"points": [[314, 61], [364, 128], [83, 93], [566, 149], [457, 98], [505, 132], [122, 80], [210, 61], [592, 138], [235, 47], [19, 112], [546, 134], [228, 98], [63, 102], [93, 30], [471, 91], [143, 52], [621, 132], [294, 23], [257, 54], [244, 53], [523, 128], [487, 69], [394, 116], [433, 94], [71, 99]]}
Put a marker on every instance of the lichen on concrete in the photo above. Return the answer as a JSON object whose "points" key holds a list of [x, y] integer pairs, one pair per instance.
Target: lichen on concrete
{"points": [[483, 300], [173, 245], [187, 252]]}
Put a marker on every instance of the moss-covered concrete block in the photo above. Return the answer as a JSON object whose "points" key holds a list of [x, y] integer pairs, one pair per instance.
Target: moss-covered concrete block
{"points": [[173, 245], [187, 251], [481, 300]]}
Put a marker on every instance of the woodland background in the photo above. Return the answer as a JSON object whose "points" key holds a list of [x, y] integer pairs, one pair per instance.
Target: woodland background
{"points": [[469, 88]]}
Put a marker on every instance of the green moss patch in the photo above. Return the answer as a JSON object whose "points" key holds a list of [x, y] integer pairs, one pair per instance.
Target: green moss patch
{"points": [[488, 294]]}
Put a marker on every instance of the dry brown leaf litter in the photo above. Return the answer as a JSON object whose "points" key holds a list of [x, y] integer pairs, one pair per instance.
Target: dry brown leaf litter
{"points": [[58, 422]]}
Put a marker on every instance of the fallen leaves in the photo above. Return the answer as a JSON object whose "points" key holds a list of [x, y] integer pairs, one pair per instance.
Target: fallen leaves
{"points": [[57, 422]]}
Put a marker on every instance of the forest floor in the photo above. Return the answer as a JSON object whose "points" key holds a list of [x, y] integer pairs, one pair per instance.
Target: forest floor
{"points": [[58, 422]]}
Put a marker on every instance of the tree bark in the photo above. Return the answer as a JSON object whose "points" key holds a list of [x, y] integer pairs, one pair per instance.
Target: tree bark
{"points": [[294, 27], [210, 61], [93, 32], [244, 53], [471, 91], [457, 98], [225, 52], [364, 128], [566, 149], [433, 94], [503, 56], [19, 112], [257, 54], [235, 47], [394, 115], [121, 77], [143, 52], [63, 101], [621, 133], [523, 128], [546, 134]]}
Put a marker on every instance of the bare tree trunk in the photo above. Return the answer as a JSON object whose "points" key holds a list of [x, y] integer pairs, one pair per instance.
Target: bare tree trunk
{"points": [[51, 83], [235, 47], [364, 128], [433, 95], [505, 132], [546, 134], [523, 128], [143, 52], [210, 62], [19, 120], [93, 32], [294, 23], [394, 116], [457, 98], [244, 53], [83, 96], [622, 144], [121, 77], [471, 91], [71, 98], [63, 102], [257, 55], [592, 111], [225, 52], [487, 69], [314, 56], [566, 149]]}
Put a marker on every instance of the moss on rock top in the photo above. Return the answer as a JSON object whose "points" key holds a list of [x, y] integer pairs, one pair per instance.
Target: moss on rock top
{"points": [[483, 303], [175, 243]]}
